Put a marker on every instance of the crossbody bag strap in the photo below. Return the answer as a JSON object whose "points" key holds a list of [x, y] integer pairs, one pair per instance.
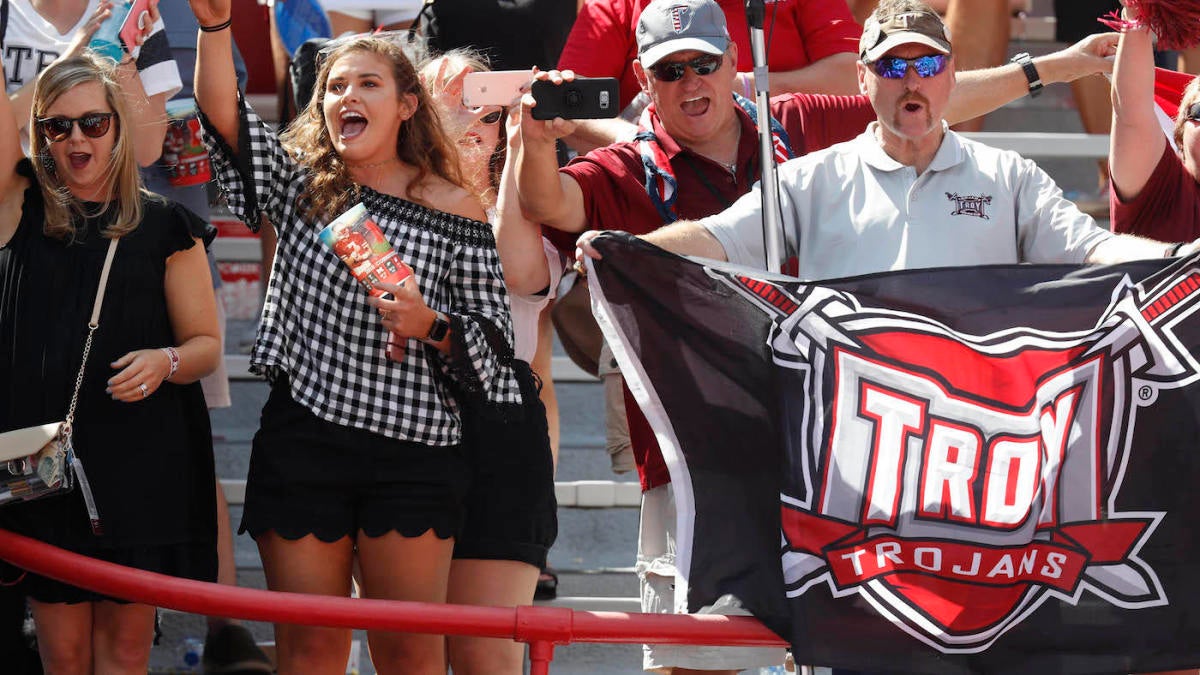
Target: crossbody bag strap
{"points": [[93, 324]]}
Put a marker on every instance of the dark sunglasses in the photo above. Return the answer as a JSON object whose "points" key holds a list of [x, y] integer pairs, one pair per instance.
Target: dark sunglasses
{"points": [[894, 67], [672, 71], [93, 125], [492, 117], [1193, 112]]}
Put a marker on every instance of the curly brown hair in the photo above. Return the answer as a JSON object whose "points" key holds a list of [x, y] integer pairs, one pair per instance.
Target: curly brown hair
{"points": [[421, 143]]}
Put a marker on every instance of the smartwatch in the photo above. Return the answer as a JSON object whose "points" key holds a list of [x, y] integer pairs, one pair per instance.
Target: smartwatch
{"points": [[1035, 81], [439, 329]]}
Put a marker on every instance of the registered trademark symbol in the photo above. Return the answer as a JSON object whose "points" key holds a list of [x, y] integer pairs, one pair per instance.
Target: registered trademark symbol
{"points": [[1145, 393]]}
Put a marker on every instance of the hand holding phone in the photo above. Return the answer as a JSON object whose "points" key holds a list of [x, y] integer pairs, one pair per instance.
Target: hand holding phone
{"points": [[583, 98], [119, 33]]}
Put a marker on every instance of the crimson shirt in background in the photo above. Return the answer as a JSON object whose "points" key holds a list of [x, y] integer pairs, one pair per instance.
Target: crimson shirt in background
{"points": [[614, 198], [798, 32], [1167, 208]]}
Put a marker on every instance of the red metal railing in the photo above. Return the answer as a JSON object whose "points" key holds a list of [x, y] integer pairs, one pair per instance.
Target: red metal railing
{"points": [[541, 627]]}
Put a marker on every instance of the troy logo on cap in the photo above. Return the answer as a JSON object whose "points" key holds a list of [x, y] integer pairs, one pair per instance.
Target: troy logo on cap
{"points": [[678, 13], [906, 20]]}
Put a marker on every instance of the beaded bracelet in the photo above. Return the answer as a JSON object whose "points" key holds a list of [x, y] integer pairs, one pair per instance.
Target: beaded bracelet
{"points": [[173, 356]]}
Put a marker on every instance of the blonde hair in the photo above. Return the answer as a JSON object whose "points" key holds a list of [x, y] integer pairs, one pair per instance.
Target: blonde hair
{"points": [[1191, 94], [421, 143], [122, 182], [436, 77]]}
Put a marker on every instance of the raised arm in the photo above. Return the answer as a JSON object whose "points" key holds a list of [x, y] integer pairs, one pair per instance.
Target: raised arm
{"points": [[833, 74], [10, 150], [547, 196], [216, 79], [518, 240], [685, 237], [148, 114], [982, 91], [1137, 140], [10, 154]]}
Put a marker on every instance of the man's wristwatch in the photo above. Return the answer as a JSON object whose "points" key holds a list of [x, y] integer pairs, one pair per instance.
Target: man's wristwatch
{"points": [[1035, 81], [439, 329]]}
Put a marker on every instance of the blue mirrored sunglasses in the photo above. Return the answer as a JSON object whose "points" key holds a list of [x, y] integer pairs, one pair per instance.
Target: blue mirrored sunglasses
{"points": [[894, 67]]}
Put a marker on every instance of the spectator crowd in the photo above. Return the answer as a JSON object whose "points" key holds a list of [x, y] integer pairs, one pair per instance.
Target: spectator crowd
{"points": [[408, 446]]}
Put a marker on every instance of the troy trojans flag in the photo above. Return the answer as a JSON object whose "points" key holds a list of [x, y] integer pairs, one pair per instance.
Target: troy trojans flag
{"points": [[975, 470]]}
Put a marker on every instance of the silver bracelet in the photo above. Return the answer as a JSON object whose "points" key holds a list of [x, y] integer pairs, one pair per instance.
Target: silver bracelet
{"points": [[173, 356]]}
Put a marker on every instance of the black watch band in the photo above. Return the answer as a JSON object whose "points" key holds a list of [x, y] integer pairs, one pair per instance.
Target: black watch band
{"points": [[439, 328], [1035, 81]]}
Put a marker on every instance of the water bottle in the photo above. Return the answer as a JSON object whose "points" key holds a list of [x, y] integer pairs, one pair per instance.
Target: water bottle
{"points": [[106, 41], [190, 653]]}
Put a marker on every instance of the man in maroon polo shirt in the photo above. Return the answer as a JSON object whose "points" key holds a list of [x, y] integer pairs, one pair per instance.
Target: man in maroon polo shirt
{"points": [[696, 153]]}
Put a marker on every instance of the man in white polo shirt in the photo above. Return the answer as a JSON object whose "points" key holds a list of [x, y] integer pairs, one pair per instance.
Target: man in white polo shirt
{"points": [[908, 192]]}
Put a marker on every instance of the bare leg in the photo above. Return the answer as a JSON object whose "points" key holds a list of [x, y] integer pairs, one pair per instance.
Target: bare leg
{"points": [[226, 565], [395, 567], [64, 634], [979, 29], [541, 368], [490, 583], [309, 565], [121, 637]]}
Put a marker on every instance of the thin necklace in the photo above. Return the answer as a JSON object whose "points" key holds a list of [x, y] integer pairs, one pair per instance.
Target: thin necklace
{"points": [[373, 165]]}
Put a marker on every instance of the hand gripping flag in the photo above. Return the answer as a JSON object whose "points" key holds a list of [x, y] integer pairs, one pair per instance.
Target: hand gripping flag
{"points": [[968, 470]]}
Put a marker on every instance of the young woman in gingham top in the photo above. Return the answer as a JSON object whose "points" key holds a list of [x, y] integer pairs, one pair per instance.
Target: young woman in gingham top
{"points": [[347, 414]]}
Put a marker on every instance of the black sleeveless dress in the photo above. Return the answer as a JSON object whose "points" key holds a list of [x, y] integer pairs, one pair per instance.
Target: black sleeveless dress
{"points": [[150, 463]]}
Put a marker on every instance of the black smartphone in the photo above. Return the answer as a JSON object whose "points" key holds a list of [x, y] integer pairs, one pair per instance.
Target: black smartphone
{"points": [[584, 98]]}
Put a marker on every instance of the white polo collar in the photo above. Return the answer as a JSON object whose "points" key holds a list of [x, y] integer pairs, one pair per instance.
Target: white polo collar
{"points": [[950, 152]]}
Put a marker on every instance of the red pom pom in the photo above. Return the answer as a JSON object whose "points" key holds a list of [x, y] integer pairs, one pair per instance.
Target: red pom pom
{"points": [[1175, 22]]}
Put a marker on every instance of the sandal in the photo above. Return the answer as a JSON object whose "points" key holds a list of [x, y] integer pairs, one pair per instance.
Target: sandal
{"points": [[547, 586]]}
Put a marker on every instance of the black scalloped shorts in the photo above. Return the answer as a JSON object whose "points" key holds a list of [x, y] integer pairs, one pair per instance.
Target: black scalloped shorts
{"points": [[511, 510], [311, 476]]}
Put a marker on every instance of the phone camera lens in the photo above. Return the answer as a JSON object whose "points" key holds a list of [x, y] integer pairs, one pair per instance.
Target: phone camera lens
{"points": [[574, 98]]}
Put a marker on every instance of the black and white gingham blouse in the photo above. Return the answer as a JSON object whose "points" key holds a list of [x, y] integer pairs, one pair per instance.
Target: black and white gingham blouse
{"points": [[317, 327]]}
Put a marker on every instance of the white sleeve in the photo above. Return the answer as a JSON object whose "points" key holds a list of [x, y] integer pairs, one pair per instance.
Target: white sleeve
{"points": [[156, 66], [1051, 228]]}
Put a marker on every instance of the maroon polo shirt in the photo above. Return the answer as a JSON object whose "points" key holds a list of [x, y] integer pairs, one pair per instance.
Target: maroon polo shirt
{"points": [[614, 198]]}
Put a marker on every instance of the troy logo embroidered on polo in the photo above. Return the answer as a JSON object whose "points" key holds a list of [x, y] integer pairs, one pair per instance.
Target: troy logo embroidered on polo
{"points": [[957, 482], [969, 205]]}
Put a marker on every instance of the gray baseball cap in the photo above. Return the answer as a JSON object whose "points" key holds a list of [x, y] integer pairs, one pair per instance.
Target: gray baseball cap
{"points": [[882, 33], [669, 26]]}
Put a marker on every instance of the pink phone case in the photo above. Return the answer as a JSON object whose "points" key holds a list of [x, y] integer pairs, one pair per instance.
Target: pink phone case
{"points": [[133, 26]]}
